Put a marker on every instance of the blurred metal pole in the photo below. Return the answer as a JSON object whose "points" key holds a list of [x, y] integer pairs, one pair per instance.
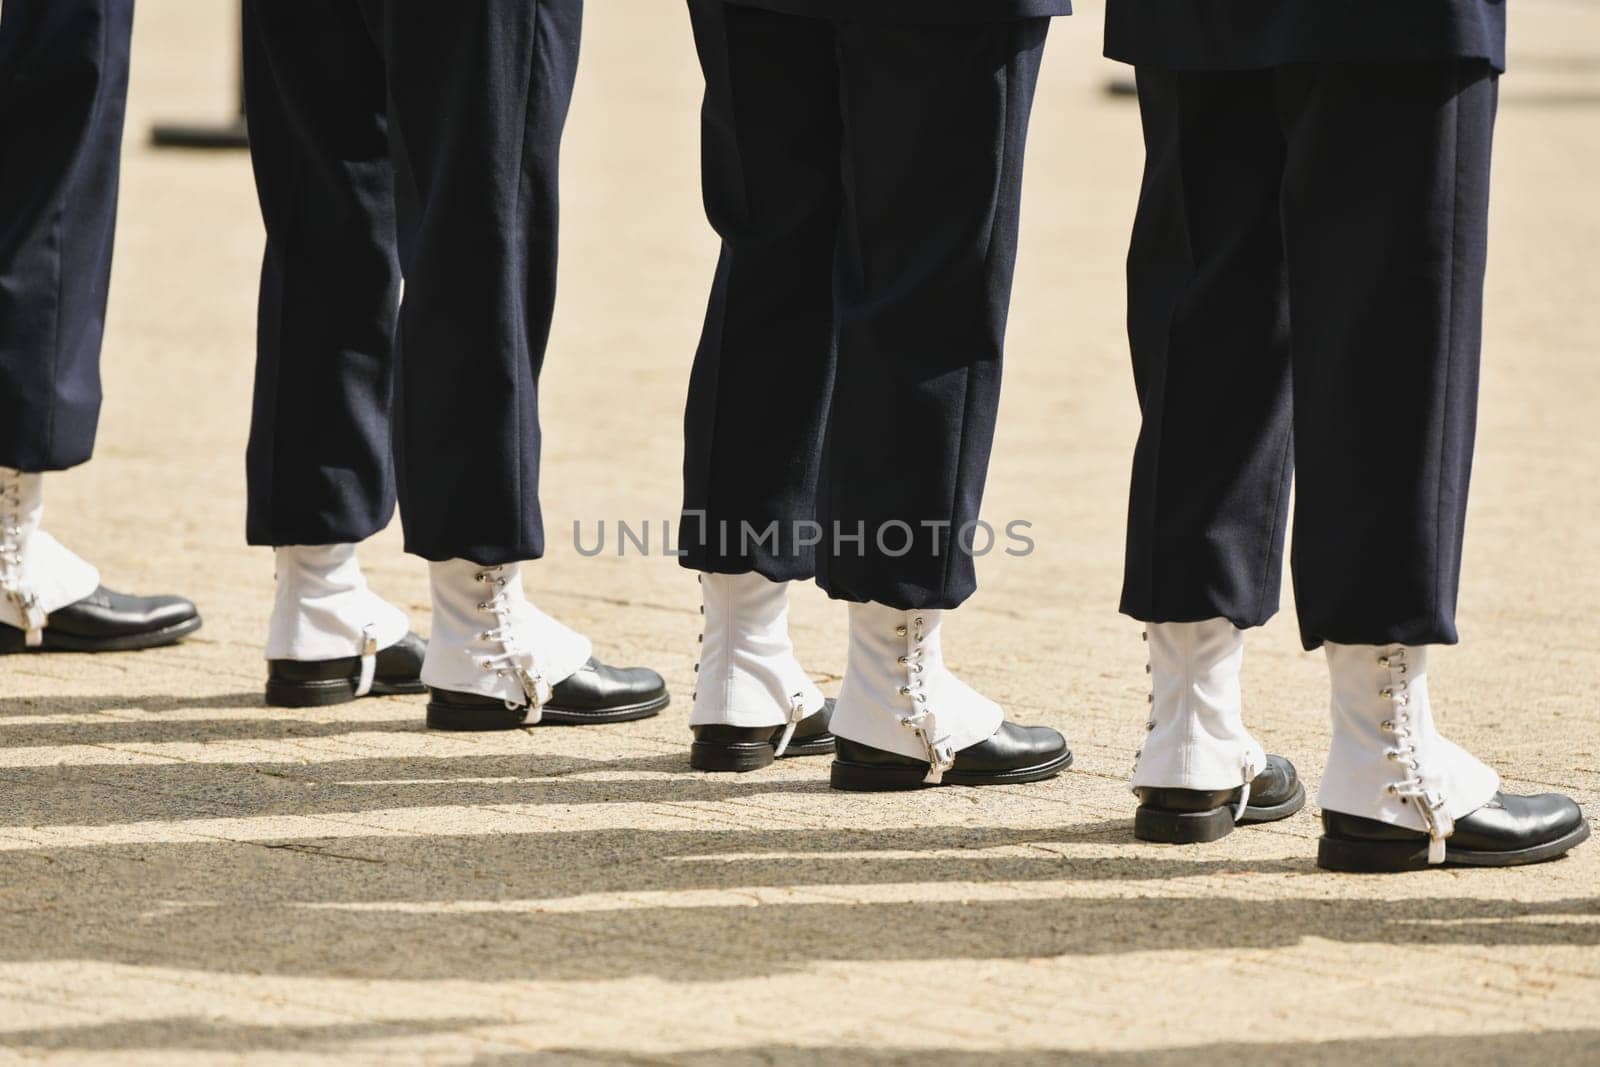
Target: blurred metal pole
{"points": [[228, 134]]}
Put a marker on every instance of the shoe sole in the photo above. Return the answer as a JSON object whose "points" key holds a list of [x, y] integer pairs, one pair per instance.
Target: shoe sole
{"points": [[1273, 812], [324, 692], [1386, 857], [1182, 827], [753, 755], [555, 715], [169, 635], [865, 778], [1162, 827], [443, 715], [456, 718]]}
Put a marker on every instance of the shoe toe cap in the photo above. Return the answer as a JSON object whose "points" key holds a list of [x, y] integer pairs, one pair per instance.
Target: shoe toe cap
{"points": [[1045, 739], [107, 612], [403, 659], [818, 722], [599, 685], [1512, 821], [639, 681], [171, 610], [1556, 814], [1030, 742], [1276, 784]]}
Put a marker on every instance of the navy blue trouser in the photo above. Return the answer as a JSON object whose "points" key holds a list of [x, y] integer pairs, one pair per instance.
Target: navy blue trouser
{"points": [[63, 85], [1305, 300], [865, 179], [414, 141]]}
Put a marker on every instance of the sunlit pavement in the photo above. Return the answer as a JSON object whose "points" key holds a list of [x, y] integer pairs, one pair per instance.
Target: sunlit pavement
{"points": [[187, 875]]}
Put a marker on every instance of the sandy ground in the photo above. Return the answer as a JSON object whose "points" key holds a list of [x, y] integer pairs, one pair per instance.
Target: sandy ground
{"points": [[186, 875]]}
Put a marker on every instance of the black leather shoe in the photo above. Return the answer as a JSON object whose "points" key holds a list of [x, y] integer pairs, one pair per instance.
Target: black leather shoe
{"points": [[749, 748], [313, 684], [106, 621], [1508, 831], [1013, 755], [1190, 816], [595, 694]]}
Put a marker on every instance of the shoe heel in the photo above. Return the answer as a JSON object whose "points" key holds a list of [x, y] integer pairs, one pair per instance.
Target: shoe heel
{"points": [[310, 694], [858, 778], [1181, 827], [740, 759], [1371, 857], [443, 716]]}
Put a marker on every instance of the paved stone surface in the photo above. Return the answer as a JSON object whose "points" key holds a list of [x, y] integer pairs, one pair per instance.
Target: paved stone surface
{"points": [[187, 876]]}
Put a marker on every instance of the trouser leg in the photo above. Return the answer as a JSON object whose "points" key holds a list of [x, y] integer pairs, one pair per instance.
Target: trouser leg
{"points": [[1385, 221], [1209, 333], [320, 460], [63, 85], [758, 395], [935, 123], [478, 96], [1385, 212]]}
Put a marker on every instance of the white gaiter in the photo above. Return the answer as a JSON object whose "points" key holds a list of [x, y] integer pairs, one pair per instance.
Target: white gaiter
{"points": [[898, 695], [1388, 761], [324, 609], [1195, 736], [37, 573], [748, 674], [488, 639]]}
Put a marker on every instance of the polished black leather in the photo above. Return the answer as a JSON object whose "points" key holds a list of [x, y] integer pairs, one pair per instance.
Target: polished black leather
{"points": [[1507, 823], [719, 747], [1011, 755], [471, 701], [399, 664], [598, 687], [107, 613], [108, 621], [1009, 748], [813, 727], [1186, 799], [1275, 785], [594, 695]]}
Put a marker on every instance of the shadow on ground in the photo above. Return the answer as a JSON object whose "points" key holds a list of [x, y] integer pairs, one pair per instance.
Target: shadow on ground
{"points": [[185, 731], [180, 1034], [154, 702], [185, 1033], [1552, 1046], [499, 907]]}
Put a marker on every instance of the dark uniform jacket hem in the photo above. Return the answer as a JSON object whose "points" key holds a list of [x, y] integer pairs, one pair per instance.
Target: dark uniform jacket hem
{"points": [[917, 11], [1252, 34]]}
